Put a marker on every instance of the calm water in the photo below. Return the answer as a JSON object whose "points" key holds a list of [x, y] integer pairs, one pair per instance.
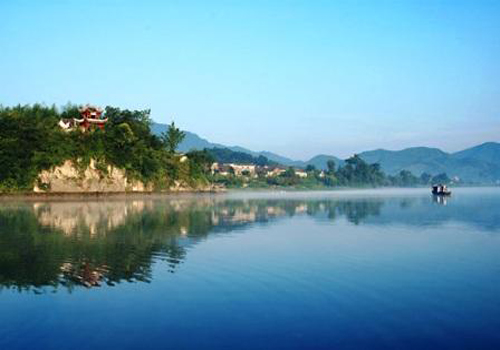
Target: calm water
{"points": [[340, 270]]}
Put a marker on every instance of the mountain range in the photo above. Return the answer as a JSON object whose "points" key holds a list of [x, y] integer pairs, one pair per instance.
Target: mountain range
{"points": [[479, 164]]}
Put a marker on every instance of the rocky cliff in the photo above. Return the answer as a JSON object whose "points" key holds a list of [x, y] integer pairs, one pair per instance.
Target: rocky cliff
{"points": [[69, 178]]}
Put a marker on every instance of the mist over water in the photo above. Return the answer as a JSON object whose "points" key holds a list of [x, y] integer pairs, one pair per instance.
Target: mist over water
{"points": [[384, 269]]}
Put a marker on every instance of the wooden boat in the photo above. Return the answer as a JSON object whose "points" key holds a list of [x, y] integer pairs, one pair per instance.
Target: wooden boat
{"points": [[440, 190]]}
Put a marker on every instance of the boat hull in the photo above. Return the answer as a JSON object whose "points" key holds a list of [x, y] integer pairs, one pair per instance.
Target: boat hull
{"points": [[436, 193]]}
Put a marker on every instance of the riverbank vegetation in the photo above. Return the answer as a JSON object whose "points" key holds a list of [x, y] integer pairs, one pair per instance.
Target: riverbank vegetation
{"points": [[354, 173], [31, 141]]}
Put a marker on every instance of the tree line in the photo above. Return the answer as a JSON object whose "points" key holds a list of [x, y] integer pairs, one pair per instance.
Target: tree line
{"points": [[357, 172], [354, 173]]}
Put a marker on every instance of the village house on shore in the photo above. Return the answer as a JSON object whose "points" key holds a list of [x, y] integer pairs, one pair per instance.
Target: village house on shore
{"points": [[251, 170]]}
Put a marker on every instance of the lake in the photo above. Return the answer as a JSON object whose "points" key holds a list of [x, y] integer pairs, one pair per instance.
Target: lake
{"points": [[367, 269]]}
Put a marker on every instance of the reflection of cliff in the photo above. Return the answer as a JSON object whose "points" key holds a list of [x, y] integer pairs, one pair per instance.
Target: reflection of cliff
{"points": [[95, 217]]}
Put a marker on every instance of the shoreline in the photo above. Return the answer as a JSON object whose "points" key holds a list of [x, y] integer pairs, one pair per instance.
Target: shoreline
{"points": [[101, 195], [34, 196]]}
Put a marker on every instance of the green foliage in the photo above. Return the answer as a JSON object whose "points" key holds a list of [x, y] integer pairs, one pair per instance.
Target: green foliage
{"points": [[356, 172], [287, 178], [172, 138], [231, 181], [200, 161], [225, 155], [441, 179], [425, 178], [404, 179], [32, 141], [331, 167]]}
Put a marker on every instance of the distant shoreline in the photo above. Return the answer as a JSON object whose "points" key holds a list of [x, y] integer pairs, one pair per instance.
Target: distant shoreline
{"points": [[4, 197], [99, 195]]}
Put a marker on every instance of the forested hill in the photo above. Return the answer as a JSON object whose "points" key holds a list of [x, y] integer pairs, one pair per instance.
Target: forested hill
{"points": [[32, 141], [225, 155]]}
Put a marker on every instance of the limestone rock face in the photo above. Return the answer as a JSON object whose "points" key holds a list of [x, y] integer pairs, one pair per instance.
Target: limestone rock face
{"points": [[67, 178]]}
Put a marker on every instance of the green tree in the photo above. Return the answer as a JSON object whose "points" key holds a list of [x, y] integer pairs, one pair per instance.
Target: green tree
{"points": [[441, 179], [330, 165], [425, 178], [172, 138], [357, 172], [200, 161], [290, 173], [407, 178]]}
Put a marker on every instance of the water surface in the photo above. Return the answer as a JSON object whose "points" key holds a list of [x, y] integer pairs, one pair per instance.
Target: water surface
{"points": [[378, 269]]}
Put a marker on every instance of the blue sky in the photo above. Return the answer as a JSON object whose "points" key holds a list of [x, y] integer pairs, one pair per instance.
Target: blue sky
{"points": [[293, 77]]}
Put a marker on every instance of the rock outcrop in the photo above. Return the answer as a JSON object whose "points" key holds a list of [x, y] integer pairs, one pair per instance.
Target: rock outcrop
{"points": [[68, 178], [72, 179]]}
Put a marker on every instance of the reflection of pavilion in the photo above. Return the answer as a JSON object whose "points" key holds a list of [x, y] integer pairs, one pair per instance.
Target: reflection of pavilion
{"points": [[83, 274]]}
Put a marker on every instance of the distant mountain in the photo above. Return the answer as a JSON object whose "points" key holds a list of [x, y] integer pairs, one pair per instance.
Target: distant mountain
{"points": [[415, 159], [480, 163], [320, 161], [476, 164], [486, 152], [191, 141], [194, 142], [282, 160]]}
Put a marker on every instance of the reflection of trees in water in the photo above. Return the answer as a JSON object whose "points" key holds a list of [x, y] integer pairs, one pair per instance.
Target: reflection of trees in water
{"points": [[107, 242], [406, 203], [35, 254], [356, 211]]}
